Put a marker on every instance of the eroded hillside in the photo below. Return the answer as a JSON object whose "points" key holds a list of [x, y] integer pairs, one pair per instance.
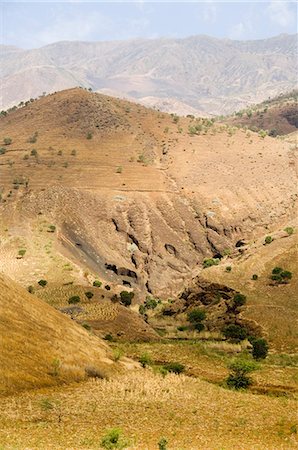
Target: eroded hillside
{"points": [[132, 194]]}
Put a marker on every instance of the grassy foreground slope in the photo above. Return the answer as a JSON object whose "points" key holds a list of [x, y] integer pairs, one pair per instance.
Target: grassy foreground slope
{"points": [[42, 347]]}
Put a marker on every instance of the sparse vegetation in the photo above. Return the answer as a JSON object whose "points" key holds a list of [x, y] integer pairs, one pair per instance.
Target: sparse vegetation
{"points": [[254, 276], [7, 141], [289, 230], [42, 283], [89, 295], [89, 135], [174, 367], [97, 283], [281, 276], [210, 262], [235, 333], [114, 439]]}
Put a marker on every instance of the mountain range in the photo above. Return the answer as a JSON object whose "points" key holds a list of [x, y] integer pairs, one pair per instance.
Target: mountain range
{"points": [[195, 75]]}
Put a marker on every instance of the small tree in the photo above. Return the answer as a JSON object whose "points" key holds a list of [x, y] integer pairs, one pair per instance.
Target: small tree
{"points": [[254, 276], [239, 300], [89, 295], [238, 378], [150, 303], [260, 348], [97, 283], [113, 439], [162, 444], [74, 299], [235, 332], [7, 141], [126, 297], [268, 239], [145, 360], [42, 283]]}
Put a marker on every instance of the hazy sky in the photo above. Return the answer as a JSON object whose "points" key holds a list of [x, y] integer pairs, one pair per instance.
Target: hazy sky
{"points": [[34, 24]]}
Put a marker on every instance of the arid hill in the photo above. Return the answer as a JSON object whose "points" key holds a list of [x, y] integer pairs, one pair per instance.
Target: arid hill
{"points": [[132, 195], [194, 74], [277, 116], [42, 347]]}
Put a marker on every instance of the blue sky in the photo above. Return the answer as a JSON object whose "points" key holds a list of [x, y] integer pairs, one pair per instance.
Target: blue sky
{"points": [[34, 24]]}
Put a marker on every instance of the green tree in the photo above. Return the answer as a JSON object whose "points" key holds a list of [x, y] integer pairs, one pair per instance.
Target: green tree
{"points": [[238, 378]]}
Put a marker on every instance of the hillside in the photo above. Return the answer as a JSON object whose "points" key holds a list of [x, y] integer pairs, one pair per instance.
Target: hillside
{"points": [[277, 116], [134, 196], [42, 347], [204, 74]]}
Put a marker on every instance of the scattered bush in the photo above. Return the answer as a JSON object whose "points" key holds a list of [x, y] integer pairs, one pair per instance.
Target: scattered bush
{"points": [[22, 252], [142, 310], [113, 439], [119, 169], [33, 152], [126, 297], [235, 332], [196, 315], [32, 139], [210, 262], [268, 239], [97, 283], [7, 141], [52, 229], [150, 303], [89, 295], [108, 337], [145, 360], [228, 269], [42, 283], [2, 150], [174, 367], [238, 378], [182, 328], [162, 444], [239, 300], [281, 276], [74, 299], [86, 326], [30, 289], [89, 135], [259, 348], [289, 230], [254, 276]]}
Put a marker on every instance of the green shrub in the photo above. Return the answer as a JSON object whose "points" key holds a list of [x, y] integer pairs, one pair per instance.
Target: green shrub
{"points": [[22, 252], [254, 276], [113, 439], [126, 297], [142, 309], [30, 289], [162, 444], [238, 378], [97, 283], [74, 299], [89, 135], [228, 269], [52, 229], [268, 239], [89, 295], [119, 169], [182, 328], [239, 300], [32, 139], [150, 303], [196, 315], [235, 332], [199, 326], [174, 367], [42, 283], [86, 326], [210, 262], [7, 141], [286, 274], [145, 360], [2, 150], [260, 348], [276, 270], [289, 230], [108, 337], [33, 152]]}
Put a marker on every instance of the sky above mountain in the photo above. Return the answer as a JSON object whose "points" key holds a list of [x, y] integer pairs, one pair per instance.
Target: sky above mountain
{"points": [[34, 24]]}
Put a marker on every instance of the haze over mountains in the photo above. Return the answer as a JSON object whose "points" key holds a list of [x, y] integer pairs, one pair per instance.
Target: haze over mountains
{"points": [[199, 74]]}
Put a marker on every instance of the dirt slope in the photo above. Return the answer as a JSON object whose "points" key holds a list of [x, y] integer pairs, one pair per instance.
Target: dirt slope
{"points": [[42, 347], [134, 194]]}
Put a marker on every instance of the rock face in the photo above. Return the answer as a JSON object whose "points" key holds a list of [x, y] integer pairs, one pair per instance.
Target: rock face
{"points": [[192, 75], [122, 208]]}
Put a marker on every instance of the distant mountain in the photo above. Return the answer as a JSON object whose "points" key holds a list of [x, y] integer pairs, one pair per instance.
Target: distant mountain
{"points": [[196, 74]]}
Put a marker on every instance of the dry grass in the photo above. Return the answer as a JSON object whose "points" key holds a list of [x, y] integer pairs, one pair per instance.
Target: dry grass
{"points": [[40, 346], [190, 413]]}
